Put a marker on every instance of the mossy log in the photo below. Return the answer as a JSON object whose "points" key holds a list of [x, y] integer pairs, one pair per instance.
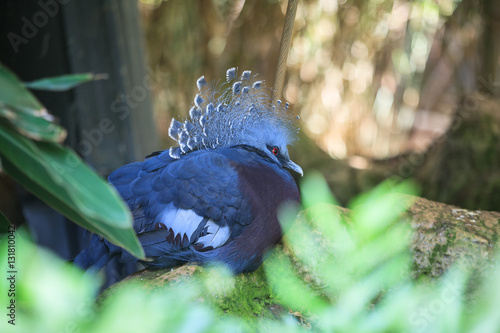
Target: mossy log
{"points": [[441, 235]]}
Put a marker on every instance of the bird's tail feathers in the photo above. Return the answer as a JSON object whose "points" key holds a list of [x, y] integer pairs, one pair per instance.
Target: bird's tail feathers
{"points": [[164, 253], [97, 255], [154, 243]]}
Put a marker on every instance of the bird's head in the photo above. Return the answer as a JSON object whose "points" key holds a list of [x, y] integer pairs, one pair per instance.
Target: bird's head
{"points": [[238, 111]]}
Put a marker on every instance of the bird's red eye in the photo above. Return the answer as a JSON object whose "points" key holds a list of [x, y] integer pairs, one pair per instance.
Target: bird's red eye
{"points": [[275, 150]]}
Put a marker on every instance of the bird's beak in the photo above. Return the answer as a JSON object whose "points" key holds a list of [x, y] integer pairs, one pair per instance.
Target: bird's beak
{"points": [[295, 167]]}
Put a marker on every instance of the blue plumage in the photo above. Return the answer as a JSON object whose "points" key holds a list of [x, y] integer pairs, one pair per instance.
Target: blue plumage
{"points": [[215, 197]]}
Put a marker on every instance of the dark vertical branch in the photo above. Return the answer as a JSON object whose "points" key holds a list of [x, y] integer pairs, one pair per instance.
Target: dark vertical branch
{"points": [[491, 48], [286, 40]]}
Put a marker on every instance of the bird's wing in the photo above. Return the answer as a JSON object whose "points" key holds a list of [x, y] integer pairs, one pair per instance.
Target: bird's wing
{"points": [[195, 200]]}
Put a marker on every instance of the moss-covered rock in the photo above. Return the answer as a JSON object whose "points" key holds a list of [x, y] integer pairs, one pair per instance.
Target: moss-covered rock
{"points": [[442, 234], [445, 233], [246, 296]]}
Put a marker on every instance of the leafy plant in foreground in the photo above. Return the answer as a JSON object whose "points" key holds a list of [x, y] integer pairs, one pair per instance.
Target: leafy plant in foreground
{"points": [[31, 153], [351, 272], [339, 271]]}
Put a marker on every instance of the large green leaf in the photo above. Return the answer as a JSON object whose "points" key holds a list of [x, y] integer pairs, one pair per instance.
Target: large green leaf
{"points": [[24, 112], [59, 177], [33, 127], [13, 92], [64, 82]]}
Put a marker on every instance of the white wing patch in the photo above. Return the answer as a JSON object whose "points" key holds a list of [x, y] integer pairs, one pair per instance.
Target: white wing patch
{"points": [[216, 235], [181, 221], [186, 222]]}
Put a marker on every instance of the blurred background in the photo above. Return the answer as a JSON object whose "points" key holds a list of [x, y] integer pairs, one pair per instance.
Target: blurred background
{"points": [[369, 78], [384, 88]]}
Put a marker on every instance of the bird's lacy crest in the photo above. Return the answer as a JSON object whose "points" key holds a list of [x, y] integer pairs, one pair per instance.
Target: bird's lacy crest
{"points": [[237, 111]]}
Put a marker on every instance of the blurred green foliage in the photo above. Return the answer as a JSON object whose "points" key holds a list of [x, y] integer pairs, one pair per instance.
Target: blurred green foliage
{"points": [[359, 280], [31, 153], [64, 82]]}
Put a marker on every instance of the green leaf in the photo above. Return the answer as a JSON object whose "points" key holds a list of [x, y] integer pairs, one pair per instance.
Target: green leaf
{"points": [[64, 82], [33, 127], [14, 93], [58, 176], [288, 287], [24, 112]]}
